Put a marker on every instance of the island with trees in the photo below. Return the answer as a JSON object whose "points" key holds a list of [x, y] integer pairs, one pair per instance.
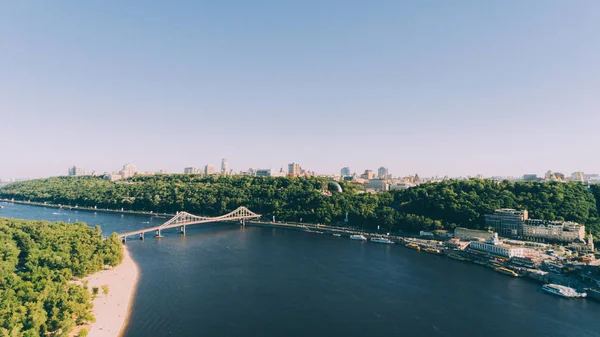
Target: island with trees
{"points": [[42, 265], [428, 206]]}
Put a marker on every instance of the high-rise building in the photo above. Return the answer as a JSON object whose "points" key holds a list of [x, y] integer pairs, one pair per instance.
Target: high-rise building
{"points": [[294, 169], [224, 166], [345, 171], [382, 173], [209, 169], [368, 175], [189, 170], [129, 170], [507, 222], [77, 171]]}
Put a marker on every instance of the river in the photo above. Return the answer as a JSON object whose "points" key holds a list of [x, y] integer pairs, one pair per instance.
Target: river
{"points": [[224, 280]]}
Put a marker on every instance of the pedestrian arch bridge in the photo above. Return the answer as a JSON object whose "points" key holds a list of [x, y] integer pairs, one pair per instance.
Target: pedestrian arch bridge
{"points": [[183, 219]]}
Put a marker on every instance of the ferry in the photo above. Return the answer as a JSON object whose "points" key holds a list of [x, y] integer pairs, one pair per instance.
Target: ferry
{"points": [[432, 250], [412, 246], [358, 237], [458, 257], [507, 271], [563, 291], [382, 240]]}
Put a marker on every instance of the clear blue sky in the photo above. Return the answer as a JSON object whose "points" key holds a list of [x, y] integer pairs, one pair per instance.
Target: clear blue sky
{"points": [[428, 87]]}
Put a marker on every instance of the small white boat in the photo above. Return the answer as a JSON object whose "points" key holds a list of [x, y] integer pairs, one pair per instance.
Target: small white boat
{"points": [[563, 291], [337, 234], [382, 240], [358, 237]]}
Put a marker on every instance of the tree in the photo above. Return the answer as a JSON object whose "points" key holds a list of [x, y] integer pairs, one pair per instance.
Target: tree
{"points": [[105, 289], [95, 292]]}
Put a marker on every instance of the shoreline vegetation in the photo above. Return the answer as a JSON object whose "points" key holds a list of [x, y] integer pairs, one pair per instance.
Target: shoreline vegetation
{"points": [[45, 275], [429, 206]]}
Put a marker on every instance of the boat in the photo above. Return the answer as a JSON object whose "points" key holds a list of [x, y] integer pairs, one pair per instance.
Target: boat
{"points": [[382, 240], [563, 291], [593, 293], [506, 271], [337, 234], [432, 250], [480, 262], [458, 257], [412, 246], [358, 237]]}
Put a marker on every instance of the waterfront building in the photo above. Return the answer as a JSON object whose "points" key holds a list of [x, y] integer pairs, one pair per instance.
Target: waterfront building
{"points": [[189, 170], [129, 170], [590, 242], [560, 231], [77, 171], [345, 171], [224, 166], [466, 234], [507, 222], [495, 247], [382, 173], [209, 169]]}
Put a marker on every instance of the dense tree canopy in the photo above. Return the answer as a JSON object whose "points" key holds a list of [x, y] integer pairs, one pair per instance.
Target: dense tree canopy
{"points": [[445, 204], [38, 260]]}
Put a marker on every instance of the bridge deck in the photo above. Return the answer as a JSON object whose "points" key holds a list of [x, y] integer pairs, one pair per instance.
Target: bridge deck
{"points": [[186, 219]]}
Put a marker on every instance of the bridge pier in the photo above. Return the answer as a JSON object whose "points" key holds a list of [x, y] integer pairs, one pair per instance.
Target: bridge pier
{"points": [[124, 240], [142, 236], [183, 229], [158, 236]]}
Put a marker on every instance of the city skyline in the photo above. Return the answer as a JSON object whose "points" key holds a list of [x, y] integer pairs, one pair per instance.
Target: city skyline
{"points": [[457, 89]]}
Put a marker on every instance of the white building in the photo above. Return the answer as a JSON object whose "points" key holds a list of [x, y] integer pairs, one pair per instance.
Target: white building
{"points": [[496, 247], [466, 234], [189, 170], [129, 170], [562, 231]]}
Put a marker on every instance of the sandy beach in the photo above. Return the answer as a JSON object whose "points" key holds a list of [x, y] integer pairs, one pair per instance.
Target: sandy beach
{"points": [[112, 311]]}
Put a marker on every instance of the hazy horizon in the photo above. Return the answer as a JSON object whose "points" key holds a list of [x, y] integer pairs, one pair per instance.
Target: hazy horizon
{"points": [[436, 88]]}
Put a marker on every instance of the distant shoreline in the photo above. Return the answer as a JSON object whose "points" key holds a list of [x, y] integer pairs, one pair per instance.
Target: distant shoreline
{"points": [[78, 208]]}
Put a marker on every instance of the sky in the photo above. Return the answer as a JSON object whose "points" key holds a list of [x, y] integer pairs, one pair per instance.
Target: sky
{"points": [[430, 87]]}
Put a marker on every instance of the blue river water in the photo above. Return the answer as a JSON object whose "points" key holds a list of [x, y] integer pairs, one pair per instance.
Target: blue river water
{"points": [[225, 280]]}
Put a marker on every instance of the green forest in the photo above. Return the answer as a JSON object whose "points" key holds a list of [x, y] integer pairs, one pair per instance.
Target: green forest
{"points": [[39, 259], [429, 206]]}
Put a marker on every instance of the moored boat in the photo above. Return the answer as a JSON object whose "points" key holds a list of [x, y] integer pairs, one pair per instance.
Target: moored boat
{"points": [[431, 250], [358, 237], [382, 240], [563, 291], [458, 257], [412, 246], [507, 271]]}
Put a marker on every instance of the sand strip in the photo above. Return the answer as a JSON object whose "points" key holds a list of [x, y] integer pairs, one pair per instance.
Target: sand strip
{"points": [[112, 311]]}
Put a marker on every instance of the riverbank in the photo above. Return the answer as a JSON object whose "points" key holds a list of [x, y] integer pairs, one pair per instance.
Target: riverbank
{"points": [[78, 208], [112, 310]]}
